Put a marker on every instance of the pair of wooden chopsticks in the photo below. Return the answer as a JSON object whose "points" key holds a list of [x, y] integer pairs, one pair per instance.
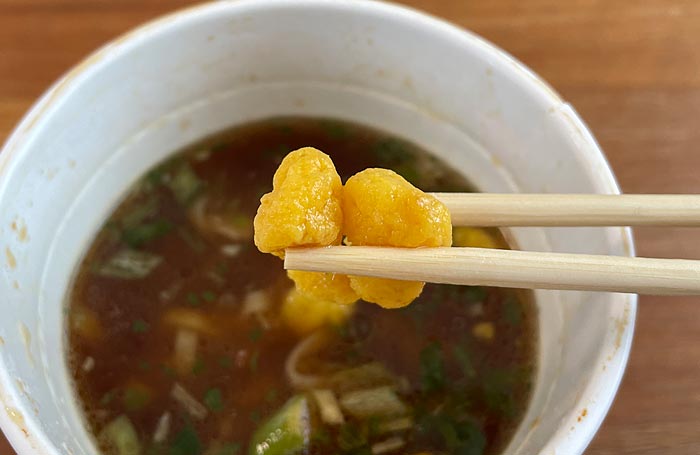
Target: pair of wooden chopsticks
{"points": [[524, 269]]}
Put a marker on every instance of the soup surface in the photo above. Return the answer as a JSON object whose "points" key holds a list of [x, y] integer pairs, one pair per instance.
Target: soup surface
{"points": [[177, 344]]}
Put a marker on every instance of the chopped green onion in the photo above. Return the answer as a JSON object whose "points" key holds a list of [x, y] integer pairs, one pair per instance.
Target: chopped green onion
{"points": [[208, 296], [464, 361], [185, 184], [226, 362], [140, 326], [186, 442], [271, 395], [213, 400], [256, 334], [130, 264], [377, 402], [136, 397], [198, 367], [141, 234], [139, 213], [286, 432], [121, 436], [432, 368], [108, 397], [512, 312], [193, 299]]}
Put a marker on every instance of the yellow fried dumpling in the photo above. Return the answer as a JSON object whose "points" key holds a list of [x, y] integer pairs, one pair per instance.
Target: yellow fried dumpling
{"points": [[332, 287], [304, 207], [381, 208], [305, 313]]}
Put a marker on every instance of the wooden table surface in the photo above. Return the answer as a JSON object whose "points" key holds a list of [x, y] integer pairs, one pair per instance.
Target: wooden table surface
{"points": [[632, 70]]}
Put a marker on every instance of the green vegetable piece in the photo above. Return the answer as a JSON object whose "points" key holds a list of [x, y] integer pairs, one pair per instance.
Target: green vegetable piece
{"points": [[130, 264], [475, 293], [393, 152], [498, 391], [186, 442], [256, 334], [121, 436], [185, 184], [512, 312], [208, 296], [432, 367], [464, 361], [198, 367], [141, 234], [213, 400], [140, 326], [193, 299], [286, 432], [136, 397], [140, 213], [377, 402]]}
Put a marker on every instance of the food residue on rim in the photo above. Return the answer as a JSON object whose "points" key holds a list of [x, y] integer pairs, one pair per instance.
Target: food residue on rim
{"points": [[584, 413], [17, 418], [26, 336], [20, 228], [11, 260], [620, 326], [2, 341]]}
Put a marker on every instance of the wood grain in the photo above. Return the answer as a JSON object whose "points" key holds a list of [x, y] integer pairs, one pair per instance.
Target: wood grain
{"points": [[631, 69]]}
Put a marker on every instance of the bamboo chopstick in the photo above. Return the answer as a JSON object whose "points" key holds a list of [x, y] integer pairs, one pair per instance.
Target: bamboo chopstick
{"points": [[505, 268], [484, 209]]}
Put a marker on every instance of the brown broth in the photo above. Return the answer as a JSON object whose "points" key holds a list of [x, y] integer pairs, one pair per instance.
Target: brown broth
{"points": [[121, 343]]}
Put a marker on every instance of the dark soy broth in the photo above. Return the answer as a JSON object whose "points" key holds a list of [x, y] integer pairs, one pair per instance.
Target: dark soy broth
{"points": [[176, 345]]}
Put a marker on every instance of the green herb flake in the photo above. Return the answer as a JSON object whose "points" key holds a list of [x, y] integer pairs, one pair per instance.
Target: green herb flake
{"points": [[141, 234], [393, 152], [254, 360], [334, 129], [226, 362], [255, 416], [208, 296], [464, 361], [498, 391], [186, 442], [168, 371], [108, 397], [256, 334], [213, 400], [136, 398], [193, 299], [140, 326], [512, 311], [475, 293], [144, 365], [432, 367], [271, 396], [139, 213], [198, 367], [185, 184]]}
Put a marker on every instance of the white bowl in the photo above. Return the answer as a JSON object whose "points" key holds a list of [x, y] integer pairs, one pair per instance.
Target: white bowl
{"points": [[201, 70]]}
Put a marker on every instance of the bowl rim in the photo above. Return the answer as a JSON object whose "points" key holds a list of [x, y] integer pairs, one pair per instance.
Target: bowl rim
{"points": [[49, 102]]}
